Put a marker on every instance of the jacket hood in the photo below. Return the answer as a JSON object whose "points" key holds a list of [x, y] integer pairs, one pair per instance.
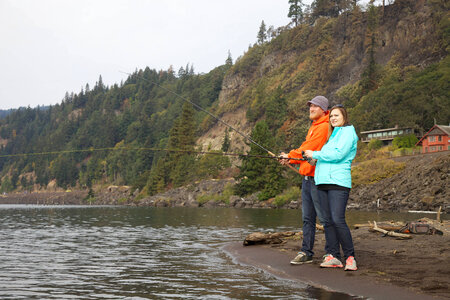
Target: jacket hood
{"points": [[322, 119]]}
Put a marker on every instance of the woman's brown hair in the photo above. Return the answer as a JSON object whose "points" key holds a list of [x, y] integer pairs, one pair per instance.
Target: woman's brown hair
{"points": [[344, 114]]}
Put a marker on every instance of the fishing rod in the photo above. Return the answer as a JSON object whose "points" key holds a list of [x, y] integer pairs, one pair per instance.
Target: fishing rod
{"points": [[214, 116], [140, 149]]}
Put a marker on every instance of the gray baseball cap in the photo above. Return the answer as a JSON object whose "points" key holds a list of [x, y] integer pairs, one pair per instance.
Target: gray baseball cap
{"points": [[320, 101]]}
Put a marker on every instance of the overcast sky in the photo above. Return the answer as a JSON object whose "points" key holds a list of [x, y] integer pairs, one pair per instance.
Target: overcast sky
{"points": [[49, 47]]}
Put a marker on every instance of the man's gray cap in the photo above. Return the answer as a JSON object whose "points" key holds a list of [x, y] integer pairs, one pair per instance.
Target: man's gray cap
{"points": [[320, 101]]}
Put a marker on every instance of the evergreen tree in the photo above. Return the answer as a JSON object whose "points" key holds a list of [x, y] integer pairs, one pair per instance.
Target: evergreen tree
{"points": [[157, 180], [65, 171], [6, 185], [24, 182], [329, 8], [191, 70], [229, 60], [209, 166], [258, 174], [276, 110], [369, 76], [226, 141], [182, 137], [262, 35], [295, 11], [181, 72]]}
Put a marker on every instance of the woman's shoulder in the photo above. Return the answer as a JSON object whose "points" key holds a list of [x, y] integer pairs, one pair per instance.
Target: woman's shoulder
{"points": [[349, 130]]}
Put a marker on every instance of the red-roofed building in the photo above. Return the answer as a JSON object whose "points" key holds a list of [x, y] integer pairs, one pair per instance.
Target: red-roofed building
{"points": [[436, 139]]}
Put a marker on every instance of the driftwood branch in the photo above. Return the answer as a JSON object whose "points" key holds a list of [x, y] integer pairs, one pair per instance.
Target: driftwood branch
{"points": [[267, 238], [389, 226], [438, 216], [390, 233]]}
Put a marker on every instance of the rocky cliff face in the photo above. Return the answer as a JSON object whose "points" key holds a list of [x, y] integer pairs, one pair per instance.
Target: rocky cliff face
{"points": [[422, 185], [407, 34]]}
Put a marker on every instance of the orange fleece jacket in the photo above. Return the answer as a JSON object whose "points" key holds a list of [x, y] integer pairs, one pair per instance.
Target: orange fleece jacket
{"points": [[315, 139]]}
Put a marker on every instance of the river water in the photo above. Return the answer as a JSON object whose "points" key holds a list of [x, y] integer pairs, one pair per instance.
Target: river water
{"points": [[88, 252]]}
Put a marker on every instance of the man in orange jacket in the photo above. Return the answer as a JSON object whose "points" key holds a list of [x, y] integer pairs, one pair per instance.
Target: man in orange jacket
{"points": [[315, 139]]}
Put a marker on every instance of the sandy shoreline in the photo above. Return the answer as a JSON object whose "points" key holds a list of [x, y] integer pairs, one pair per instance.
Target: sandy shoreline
{"points": [[388, 268]]}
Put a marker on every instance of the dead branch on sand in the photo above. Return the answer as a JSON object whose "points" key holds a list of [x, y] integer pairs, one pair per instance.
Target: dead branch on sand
{"points": [[390, 233]]}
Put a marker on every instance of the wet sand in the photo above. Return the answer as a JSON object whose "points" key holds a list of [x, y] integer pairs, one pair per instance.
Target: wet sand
{"points": [[418, 268]]}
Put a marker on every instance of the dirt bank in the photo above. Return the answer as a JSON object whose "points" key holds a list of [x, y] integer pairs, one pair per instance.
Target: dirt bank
{"points": [[422, 185], [46, 198], [388, 268]]}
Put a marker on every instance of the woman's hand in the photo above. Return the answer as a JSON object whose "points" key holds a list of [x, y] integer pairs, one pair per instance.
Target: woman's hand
{"points": [[308, 154]]}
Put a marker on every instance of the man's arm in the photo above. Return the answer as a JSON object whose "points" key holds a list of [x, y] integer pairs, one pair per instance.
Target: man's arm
{"points": [[313, 141]]}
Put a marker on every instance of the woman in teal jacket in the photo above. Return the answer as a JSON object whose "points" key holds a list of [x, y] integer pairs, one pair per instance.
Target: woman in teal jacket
{"points": [[333, 179]]}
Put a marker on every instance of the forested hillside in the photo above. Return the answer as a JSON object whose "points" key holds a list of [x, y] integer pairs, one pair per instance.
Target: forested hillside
{"points": [[4, 113], [388, 65], [138, 114]]}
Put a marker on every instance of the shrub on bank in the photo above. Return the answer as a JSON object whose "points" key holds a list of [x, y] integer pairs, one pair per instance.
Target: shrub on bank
{"points": [[291, 194], [406, 151], [224, 197], [374, 170]]}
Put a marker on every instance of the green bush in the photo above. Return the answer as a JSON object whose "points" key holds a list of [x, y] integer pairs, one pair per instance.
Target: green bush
{"points": [[224, 197], [406, 141], [375, 144], [291, 194], [405, 151], [202, 199]]}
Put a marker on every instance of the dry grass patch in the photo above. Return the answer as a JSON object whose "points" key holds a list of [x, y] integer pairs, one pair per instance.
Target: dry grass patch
{"points": [[374, 170]]}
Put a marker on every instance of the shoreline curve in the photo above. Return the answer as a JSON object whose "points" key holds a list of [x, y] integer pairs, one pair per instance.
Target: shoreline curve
{"points": [[276, 262]]}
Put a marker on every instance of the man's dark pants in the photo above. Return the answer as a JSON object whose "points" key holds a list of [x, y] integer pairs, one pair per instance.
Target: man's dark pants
{"points": [[310, 210]]}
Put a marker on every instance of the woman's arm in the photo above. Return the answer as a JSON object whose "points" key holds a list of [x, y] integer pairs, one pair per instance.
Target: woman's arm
{"points": [[340, 148]]}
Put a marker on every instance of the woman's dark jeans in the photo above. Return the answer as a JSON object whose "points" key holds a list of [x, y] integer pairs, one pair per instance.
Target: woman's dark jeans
{"points": [[337, 232]]}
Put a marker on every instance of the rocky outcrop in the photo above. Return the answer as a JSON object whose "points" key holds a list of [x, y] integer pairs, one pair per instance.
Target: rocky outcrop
{"points": [[45, 198], [422, 185], [114, 194], [189, 196]]}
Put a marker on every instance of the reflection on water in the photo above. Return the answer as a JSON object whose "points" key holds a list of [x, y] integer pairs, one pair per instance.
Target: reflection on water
{"points": [[56, 252]]}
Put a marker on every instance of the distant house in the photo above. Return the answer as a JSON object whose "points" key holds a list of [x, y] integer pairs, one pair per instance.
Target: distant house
{"points": [[436, 139], [386, 135]]}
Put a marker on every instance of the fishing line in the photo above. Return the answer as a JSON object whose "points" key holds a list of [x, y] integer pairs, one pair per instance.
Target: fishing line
{"points": [[203, 110], [139, 149]]}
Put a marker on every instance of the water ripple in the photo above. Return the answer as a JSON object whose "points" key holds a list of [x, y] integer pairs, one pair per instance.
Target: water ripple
{"points": [[125, 253]]}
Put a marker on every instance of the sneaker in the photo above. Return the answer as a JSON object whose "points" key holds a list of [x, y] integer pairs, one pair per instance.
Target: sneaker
{"points": [[350, 264], [329, 261], [301, 258]]}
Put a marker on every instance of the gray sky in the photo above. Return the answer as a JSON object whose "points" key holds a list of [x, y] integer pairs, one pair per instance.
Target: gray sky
{"points": [[49, 47]]}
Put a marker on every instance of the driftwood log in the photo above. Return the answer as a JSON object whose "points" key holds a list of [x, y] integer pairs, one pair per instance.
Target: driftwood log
{"points": [[390, 226], [257, 238], [390, 233]]}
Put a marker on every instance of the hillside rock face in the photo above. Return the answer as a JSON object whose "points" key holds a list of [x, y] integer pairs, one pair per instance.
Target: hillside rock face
{"points": [[407, 35], [424, 184]]}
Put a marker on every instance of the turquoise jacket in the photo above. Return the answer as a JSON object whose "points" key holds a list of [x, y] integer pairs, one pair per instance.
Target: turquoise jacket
{"points": [[335, 158]]}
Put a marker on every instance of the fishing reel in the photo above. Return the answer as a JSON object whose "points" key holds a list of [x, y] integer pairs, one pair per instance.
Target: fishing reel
{"points": [[310, 161]]}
